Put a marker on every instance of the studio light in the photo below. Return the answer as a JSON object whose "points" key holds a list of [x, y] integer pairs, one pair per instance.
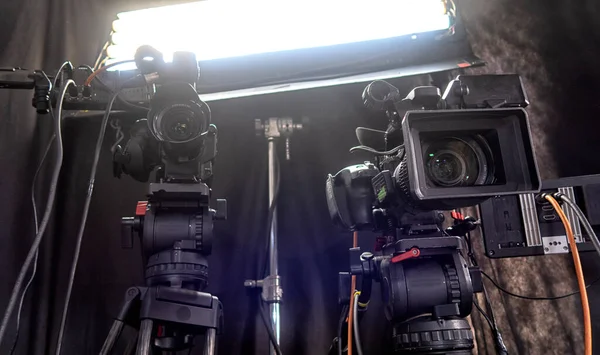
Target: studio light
{"points": [[216, 29]]}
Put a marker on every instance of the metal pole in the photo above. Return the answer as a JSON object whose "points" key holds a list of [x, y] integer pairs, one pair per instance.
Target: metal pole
{"points": [[273, 257], [144, 345], [211, 341]]}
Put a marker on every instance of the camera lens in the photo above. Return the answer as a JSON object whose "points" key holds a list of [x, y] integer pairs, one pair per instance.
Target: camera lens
{"points": [[458, 161], [179, 123], [446, 168]]}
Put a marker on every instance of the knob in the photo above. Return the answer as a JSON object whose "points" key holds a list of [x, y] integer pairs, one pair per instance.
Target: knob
{"points": [[129, 227], [366, 256], [221, 210], [476, 279]]}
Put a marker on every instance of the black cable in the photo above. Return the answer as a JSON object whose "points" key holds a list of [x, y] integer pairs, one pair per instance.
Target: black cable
{"points": [[485, 316], [59, 72], [533, 298], [35, 216], [103, 85], [120, 99], [470, 254], [86, 209], [340, 342], [498, 341], [36, 225], [45, 219], [474, 263], [267, 324]]}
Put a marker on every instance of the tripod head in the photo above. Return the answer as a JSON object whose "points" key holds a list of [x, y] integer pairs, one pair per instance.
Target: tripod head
{"points": [[426, 286], [175, 227]]}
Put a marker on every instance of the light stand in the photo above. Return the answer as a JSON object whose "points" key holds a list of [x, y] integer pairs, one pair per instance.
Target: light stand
{"points": [[273, 129]]}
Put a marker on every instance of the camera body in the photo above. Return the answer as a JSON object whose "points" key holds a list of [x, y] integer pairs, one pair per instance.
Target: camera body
{"points": [[176, 138], [441, 152]]}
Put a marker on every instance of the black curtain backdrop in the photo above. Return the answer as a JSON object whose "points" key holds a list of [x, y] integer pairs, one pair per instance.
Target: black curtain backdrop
{"points": [[552, 44]]}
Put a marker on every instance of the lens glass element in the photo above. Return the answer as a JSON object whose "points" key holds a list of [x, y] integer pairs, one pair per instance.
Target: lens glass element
{"points": [[454, 162], [179, 123], [447, 168]]}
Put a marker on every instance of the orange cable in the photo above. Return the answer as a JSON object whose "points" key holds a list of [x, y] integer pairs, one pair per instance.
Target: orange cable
{"points": [[587, 323], [352, 290], [88, 81]]}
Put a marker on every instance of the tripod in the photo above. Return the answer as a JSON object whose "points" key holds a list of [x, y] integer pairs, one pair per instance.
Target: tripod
{"points": [[175, 226]]}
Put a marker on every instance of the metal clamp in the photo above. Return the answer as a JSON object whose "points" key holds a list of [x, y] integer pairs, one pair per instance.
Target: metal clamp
{"points": [[277, 127], [271, 288]]}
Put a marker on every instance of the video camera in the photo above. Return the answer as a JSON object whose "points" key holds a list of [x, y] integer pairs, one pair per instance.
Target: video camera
{"points": [[175, 225], [439, 152], [177, 136]]}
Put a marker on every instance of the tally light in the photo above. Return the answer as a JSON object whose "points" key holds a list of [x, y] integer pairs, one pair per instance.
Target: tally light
{"points": [[216, 29]]}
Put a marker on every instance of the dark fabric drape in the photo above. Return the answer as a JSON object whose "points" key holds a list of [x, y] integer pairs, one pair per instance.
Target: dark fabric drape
{"points": [[553, 45]]}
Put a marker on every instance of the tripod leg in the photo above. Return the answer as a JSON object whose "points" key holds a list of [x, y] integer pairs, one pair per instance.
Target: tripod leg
{"points": [[131, 296], [210, 344], [144, 345], [113, 335], [131, 346]]}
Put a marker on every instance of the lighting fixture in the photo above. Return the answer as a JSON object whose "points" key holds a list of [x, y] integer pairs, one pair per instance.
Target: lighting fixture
{"points": [[216, 29]]}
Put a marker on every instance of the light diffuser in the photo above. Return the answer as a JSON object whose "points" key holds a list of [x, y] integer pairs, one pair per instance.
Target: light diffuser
{"points": [[215, 29]]}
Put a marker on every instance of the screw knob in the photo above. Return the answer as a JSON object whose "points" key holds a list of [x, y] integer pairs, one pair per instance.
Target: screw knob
{"points": [[366, 256]]}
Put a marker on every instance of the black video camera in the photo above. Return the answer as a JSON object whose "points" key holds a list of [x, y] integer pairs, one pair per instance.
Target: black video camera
{"points": [[177, 136], [439, 152]]}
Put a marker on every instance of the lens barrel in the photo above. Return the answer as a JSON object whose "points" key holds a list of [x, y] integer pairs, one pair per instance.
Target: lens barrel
{"points": [[179, 122], [458, 161]]}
